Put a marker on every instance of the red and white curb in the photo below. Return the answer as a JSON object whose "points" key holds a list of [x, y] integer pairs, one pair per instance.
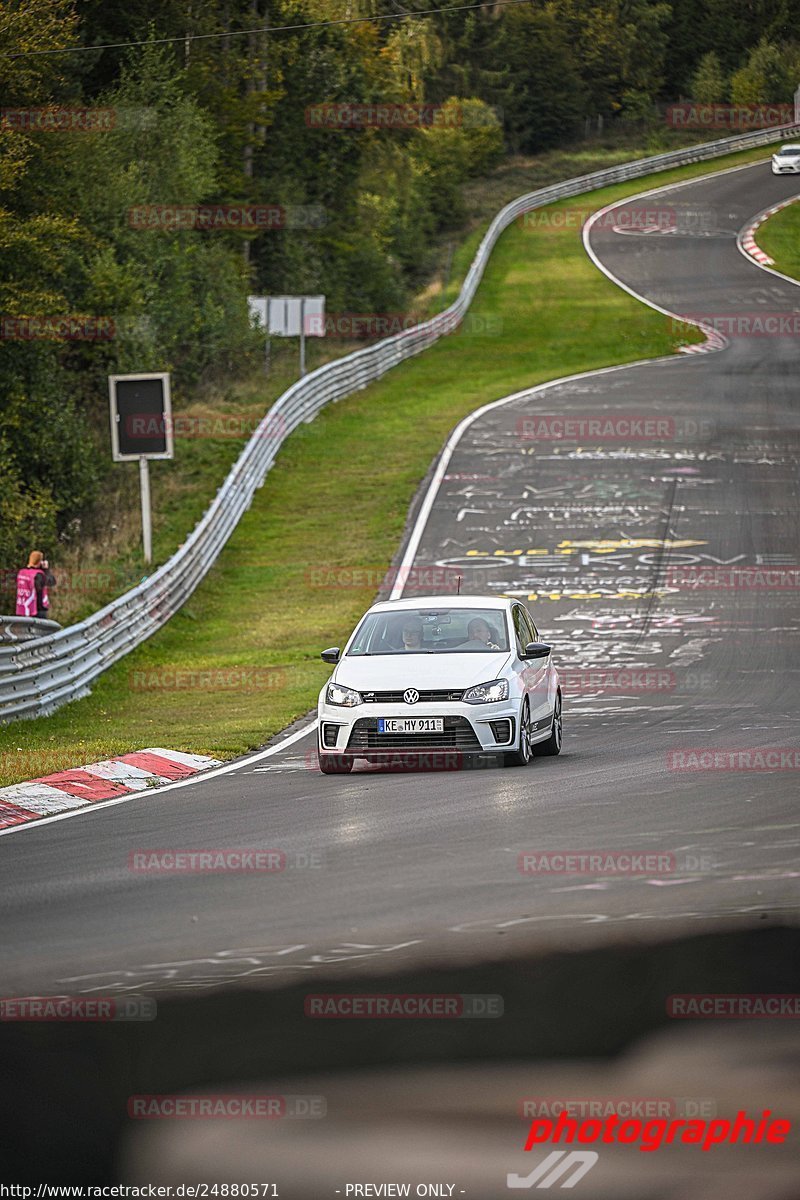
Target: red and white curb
{"points": [[106, 780], [714, 341], [747, 238]]}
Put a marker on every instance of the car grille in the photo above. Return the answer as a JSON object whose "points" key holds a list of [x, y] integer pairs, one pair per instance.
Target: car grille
{"points": [[434, 697], [457, 734]]}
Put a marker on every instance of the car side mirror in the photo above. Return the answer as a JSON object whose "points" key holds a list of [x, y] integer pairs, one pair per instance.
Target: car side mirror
{"points": [[536, 650], [331, 655]]}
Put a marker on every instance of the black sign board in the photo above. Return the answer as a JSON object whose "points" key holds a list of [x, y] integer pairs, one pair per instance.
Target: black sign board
{"points": [[141, 416]]}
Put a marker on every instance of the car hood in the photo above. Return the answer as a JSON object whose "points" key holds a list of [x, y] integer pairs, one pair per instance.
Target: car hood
{"points": [[395, 672]]}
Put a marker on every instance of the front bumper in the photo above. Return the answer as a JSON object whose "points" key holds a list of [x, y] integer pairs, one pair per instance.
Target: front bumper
{"points": [[469, 730], [785, 168]]}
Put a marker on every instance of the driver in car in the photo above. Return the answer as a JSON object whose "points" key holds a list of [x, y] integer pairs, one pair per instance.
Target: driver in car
{"points": [[412, 635], [480, 636]]}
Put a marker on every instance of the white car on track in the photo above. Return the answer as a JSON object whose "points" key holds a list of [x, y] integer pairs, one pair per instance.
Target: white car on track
{"points": [[446, 677], [786, 161]]}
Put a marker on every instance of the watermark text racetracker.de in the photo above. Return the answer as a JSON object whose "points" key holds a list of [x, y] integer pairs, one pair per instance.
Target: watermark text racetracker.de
{"points": [[226, 1107], [59, 119], [209, 425], [612, 427], [750, 1006], [610, 862], [625, 1106], [207, 679], [756, 758], [238, 217], [83, 581], [741, 578], [354, 115], [643, 219], [739, 324], [402, 1005], [392, 324], [61, 327], [78, 1008], [429, 578], [224, 860], [688, 115]]}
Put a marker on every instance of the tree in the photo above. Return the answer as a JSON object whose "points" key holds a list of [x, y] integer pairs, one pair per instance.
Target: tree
{"points": [[764, 79], [543, 98], [709, 85], [618, 48]]}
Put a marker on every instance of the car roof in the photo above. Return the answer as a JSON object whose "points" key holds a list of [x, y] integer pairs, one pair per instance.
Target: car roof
{"points": [[434, 602], [791, 146]]}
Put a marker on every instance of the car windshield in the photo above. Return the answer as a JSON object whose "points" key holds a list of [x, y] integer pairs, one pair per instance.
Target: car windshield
{"points": [[793, 150], [432, 631]]}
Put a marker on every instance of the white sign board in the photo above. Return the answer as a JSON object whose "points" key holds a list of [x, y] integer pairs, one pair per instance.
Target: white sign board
{"points": [[289, 316]]}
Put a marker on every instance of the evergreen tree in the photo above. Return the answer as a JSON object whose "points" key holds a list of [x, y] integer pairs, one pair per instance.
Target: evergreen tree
{"points": [[709, 85]]}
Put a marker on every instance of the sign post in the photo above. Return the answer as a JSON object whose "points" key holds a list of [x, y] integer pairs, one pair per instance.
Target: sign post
{"points": [[141, 429], [302, 336], [147, 524]]}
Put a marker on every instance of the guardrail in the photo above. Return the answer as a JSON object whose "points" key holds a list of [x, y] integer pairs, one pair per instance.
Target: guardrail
{"points": [[23, 629], [38, 676]]}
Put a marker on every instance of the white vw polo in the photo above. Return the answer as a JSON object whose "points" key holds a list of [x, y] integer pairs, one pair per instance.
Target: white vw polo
{"points": [[449, 677]]}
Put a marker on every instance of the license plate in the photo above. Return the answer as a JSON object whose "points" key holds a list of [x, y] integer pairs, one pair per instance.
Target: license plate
{"points": [[410, 724]]}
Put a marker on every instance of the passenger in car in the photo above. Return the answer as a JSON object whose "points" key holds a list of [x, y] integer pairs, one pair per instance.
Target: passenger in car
{"points": [[481, 636]]}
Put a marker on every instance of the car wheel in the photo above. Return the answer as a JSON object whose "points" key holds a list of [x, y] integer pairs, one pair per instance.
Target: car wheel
{"points": [[553, 743], [522, 756], [334, 764]]}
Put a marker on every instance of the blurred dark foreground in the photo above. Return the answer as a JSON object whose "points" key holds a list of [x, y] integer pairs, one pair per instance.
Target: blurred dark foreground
{"points": [[423, 1102]]}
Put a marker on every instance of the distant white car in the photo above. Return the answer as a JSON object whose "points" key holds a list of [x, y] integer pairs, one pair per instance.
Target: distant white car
{"points": [[786, 161], [454, 676]]}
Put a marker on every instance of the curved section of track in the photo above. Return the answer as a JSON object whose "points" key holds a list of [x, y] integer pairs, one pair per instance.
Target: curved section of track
{"points": [[601, 533]]}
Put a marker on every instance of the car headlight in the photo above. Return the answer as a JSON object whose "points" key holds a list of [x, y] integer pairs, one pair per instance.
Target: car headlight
{"points": [[487, 693], [336, 694]]}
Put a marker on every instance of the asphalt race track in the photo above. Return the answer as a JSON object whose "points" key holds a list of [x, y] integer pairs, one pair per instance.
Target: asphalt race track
{"points": [[398, 869]]}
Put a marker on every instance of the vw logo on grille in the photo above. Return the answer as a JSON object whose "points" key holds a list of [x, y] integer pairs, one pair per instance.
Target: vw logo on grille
{"points": [[411, 695]]}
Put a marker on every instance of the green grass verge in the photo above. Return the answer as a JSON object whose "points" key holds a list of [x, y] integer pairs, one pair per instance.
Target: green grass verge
{"points": [[780, 238], [339, 494]]}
